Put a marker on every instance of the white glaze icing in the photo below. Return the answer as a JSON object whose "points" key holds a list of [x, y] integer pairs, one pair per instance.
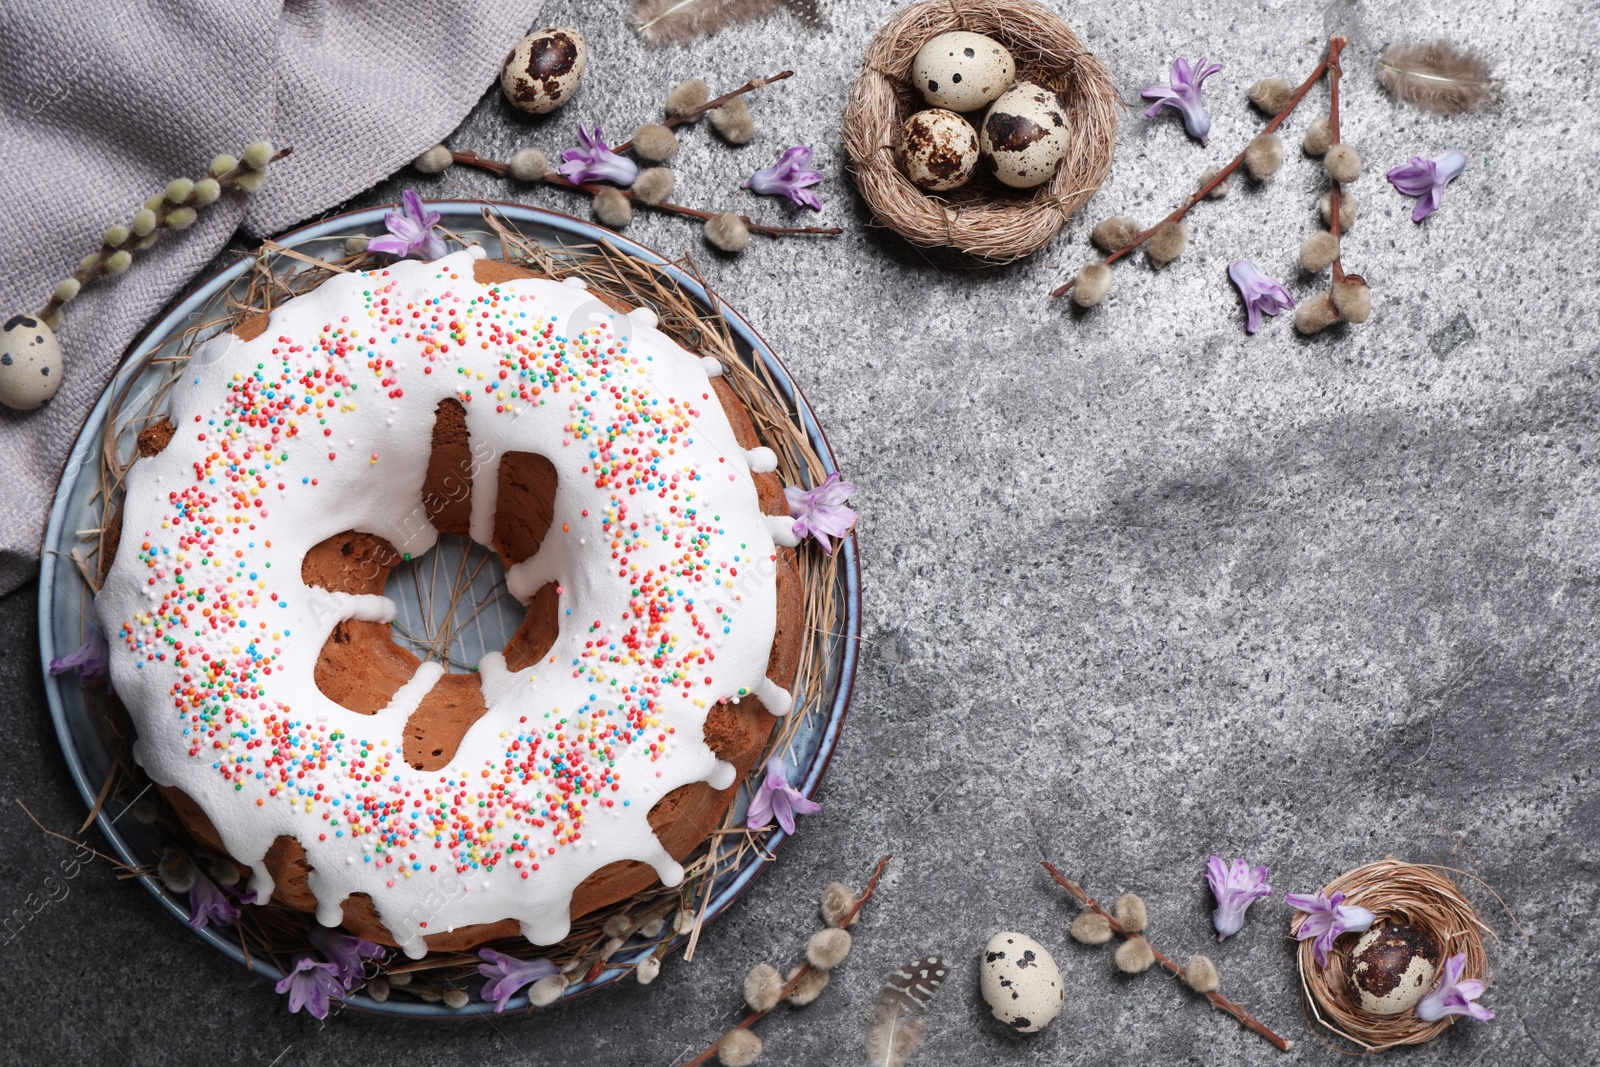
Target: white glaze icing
{"points": [[215, 635]]}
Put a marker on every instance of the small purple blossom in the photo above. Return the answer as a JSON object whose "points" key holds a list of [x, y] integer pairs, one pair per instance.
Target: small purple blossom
{"points": [[776, 798], [790, 176], [1262, 295], [1453, 996], [508, 974], [592, 161], [410, 231], [89, 659], [310, 985], [1236, 886], [208, 904], [1327, 918], [821, 512], [1425, 179], [345, 953], [1184, 94]]}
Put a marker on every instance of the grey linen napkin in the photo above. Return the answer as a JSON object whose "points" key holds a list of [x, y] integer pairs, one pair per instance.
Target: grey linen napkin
{"points": [[103, 103]]}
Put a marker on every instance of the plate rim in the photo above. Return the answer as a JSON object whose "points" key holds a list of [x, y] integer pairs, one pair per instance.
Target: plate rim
{"points": [[197, 295]]}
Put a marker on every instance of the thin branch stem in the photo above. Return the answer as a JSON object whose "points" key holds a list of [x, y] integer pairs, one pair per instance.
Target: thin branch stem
{"points": [[1334, 73], [590, 189], [1331, 57], [805, 968], [713, 104], [500, 170], [1218, 1001], [84, 274]]}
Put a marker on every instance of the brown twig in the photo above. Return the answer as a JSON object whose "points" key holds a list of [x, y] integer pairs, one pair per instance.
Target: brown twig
{"points": [[1334, 73], [500, 170], [1329, 59], [590, 189], [712, 105], [805, 968], [1218, 1001]]}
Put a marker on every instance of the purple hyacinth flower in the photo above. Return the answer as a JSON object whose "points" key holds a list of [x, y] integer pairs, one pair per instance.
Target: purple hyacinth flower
{"points": [[1326, 919], [821, 512], [1262, 295], [507, 974], [1425, 179], [89, 659], [410, 231], [790, 176], [775, 798], [1453, 996], [592, 161], [208, 904], [345, 953], [1184, 94], [1236, 886], [310, 985]]}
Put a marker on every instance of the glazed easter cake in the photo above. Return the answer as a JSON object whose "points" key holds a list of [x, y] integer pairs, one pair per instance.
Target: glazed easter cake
{"points": [[314, 448]]}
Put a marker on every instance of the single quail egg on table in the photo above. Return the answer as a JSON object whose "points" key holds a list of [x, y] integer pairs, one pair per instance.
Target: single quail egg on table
{"points": [[962, 71], [30, 363], [1391, 968], [1020, 982], [939, 149], [1024, 135], [543, 70]]}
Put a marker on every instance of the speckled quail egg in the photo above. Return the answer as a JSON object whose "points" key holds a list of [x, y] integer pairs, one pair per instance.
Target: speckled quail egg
{"points": [[1024, 135], [30, 363], [962, 71], [1020, 982], [1391, 968], [939, 149], [543, 70]]}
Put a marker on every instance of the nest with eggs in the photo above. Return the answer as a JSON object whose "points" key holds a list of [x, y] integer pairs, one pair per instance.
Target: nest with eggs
{"points": [[983, 218], [1407, 894]]}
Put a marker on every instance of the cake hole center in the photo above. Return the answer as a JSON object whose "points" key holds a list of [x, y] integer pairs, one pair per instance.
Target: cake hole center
{"points": [[451, 604]]}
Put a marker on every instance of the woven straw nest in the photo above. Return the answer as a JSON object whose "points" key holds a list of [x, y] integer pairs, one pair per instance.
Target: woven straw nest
{"points": [[983, 218], [1408, 894]]}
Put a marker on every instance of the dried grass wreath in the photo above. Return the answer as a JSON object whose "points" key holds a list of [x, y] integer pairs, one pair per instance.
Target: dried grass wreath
{"points": [[982, 218]]}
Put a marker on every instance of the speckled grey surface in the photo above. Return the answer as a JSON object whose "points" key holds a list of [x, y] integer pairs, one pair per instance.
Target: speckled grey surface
{"points": [[1139, 588]]}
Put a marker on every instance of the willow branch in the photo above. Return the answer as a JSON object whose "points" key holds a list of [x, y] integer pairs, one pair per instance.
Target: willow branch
{"points": [[805, 968], [84, 274], [1334, 72], [1330, 58], [1218, 1001], [495, 167], [713, 104]]}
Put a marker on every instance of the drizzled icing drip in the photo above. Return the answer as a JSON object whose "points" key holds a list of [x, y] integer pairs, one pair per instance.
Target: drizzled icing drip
{"points": [[781, 529], [319, 425]]}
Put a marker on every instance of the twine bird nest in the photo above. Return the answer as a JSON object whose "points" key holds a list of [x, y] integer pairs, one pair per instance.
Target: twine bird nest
{"points": [[982, 218], [1408, 894]]}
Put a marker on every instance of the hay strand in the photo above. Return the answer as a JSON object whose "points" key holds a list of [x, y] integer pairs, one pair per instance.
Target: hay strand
{"points": [[982, 218]]}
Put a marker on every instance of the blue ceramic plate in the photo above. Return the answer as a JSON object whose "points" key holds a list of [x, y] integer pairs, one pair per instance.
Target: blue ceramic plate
{"points": [[64, 599]]}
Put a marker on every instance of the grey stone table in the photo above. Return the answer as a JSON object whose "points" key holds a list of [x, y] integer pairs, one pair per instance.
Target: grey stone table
{"points": [[1139, 587]]}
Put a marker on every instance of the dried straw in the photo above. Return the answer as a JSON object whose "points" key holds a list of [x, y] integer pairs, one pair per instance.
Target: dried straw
{"points": [[1409, 894], [982, 218], [279, 274]]}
